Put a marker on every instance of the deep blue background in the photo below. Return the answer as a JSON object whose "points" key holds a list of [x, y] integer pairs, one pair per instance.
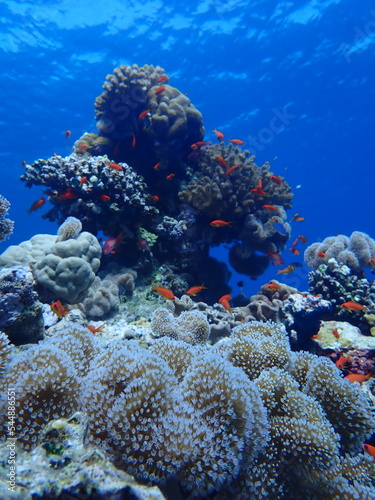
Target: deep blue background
{"points": [[239, 61]]}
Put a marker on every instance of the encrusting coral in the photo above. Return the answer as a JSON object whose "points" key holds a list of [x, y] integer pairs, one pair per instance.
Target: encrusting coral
{"points": [[177, 413], [6, 225]]}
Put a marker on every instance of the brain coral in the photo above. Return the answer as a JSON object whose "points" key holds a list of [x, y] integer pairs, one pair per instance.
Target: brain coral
{"points": [[354, 252], [187, 416], [69, 268]]}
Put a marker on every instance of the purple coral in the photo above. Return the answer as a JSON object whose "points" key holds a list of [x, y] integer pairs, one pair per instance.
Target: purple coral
{"points": [[6, 225]]}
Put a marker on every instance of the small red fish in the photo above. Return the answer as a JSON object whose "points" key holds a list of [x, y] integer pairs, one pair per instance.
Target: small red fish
{"points": [[299, 219], [335, 332], [143, 114], [24, 163], [340, 363], [302, 238], [37, 204], [154, 197], [294, 251], [369, 449], [95, 329], [260, 184], [287, 270], [276, 179], [321, 255], [237, 142], [273, 286], [159, 90], [276, 258], [269, 207], [164, 292], [115, 166], [170, 176], [81, 148], [296, 217], [134, 141], [224, 301], [162, 78], [259, 192], [295, 242], [231, 169], [156, 166], [371, 263], [82, 180], [221, 161], [358, 377], [193, 290], [104, 197], [68, 133], [353, 306], [58, 309], [68, 195], [218, 134], [198, 144], [219, 223], [111, 243]]}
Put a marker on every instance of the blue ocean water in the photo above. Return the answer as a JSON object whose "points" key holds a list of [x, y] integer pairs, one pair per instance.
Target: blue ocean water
{"points": [[294, 80]]}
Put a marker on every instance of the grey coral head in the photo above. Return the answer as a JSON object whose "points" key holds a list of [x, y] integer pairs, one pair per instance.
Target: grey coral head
{"points": [[69, 229]]}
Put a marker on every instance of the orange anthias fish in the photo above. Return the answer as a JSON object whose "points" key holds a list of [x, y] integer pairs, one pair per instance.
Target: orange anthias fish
{"points": [[258, 191], [358, 377], [170, 176], [269, 207], [221, 161], [353, 306], [287, 270], [164, 292], [276, 179], [296, 217], [198, 144], [294, 244], [219, 223], [302, 238], [154, 197], [82, 180], [68, 133], [104, 197], [276, 258], [162, 78], [156, 166], [81, 148], [134, 141], [193, 290], [224, 301], [335, 333], [58, 309], [237, 142], [369, 449], [231, 169], [159, 90], [37, 204], [218, 134], [111, 243], [95, 329], [273, 286], [294, 251], [340, 363], [321, 255], [115, 166], [68, 195], [143, 114]]}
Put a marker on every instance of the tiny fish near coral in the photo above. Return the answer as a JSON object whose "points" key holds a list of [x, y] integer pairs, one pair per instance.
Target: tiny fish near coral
{"points": [[220, 223], [164, 292], [59, 309], [353, 306], [37, 204], [111, 243], [195, 289]]}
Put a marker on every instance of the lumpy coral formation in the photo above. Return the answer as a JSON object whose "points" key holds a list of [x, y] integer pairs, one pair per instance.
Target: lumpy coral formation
{"points": [[6, 225], [209, 419]]}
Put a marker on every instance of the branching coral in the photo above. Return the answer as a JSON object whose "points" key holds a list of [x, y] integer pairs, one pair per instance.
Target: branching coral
{"points": [[100, 196], [6, 225]]}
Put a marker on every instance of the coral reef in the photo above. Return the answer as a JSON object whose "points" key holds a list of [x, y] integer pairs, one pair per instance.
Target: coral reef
{"points": [[100, 298], [63, 467], [20, 310], [28, 252], [354, 251], [69, 267], [147, 118], [100, 196], [190, 326], [337, 284], [6, 225], [246, 416], [69, 229]]}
